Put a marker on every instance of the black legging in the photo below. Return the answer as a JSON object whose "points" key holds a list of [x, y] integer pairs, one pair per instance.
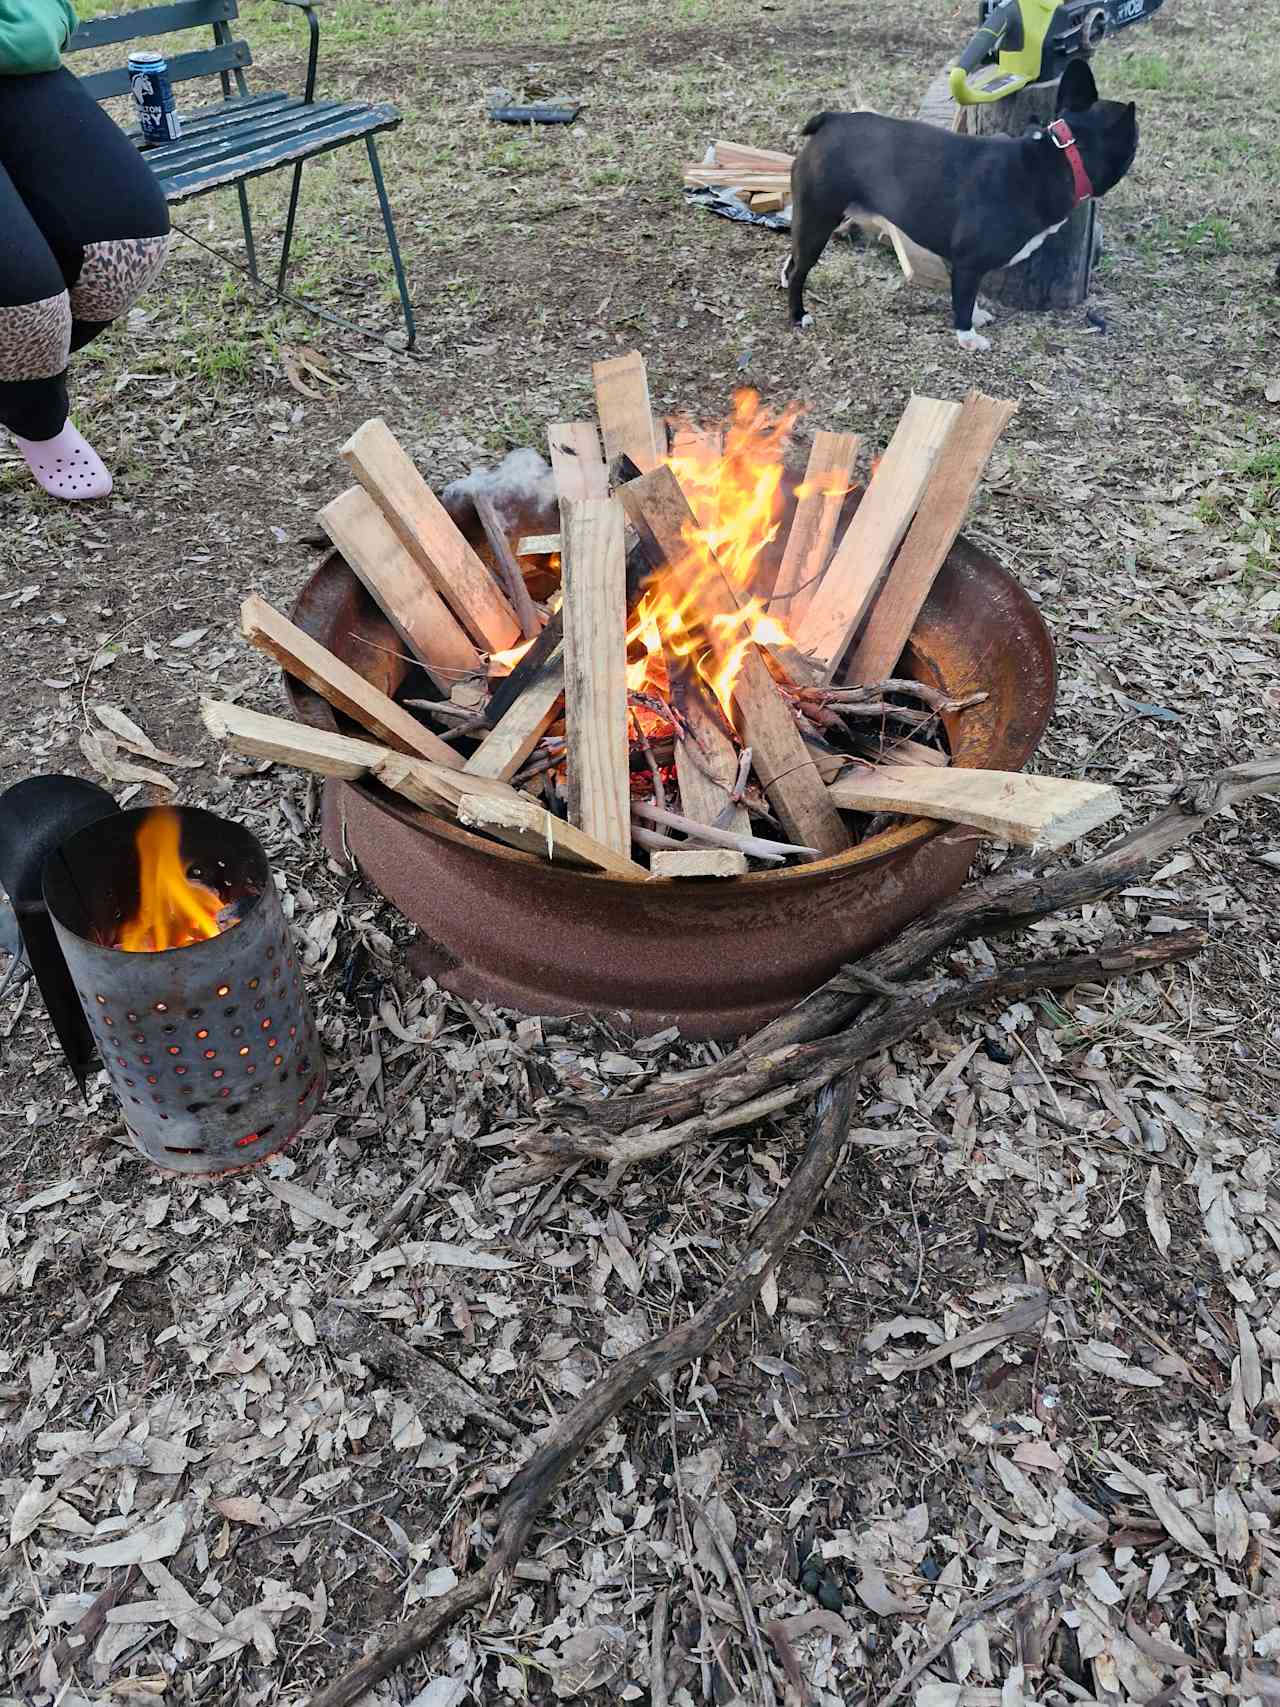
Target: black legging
{"points": [[83, 231]]}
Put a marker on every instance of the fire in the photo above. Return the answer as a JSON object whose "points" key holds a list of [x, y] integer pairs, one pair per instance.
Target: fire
{"points": [[738, 503], [172, 911]]}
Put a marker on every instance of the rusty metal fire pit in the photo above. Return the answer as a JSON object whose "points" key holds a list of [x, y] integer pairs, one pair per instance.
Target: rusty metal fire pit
{"points": [[714, 958]]}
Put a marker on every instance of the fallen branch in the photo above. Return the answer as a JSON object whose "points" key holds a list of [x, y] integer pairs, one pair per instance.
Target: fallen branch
{"points": [[770, 1083], [530, 1491], [1018, 894]]}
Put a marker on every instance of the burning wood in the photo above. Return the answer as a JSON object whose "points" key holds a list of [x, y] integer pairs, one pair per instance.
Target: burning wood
{"points": [[682, 699]]}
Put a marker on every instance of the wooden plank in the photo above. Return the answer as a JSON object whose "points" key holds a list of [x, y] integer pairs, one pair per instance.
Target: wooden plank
{"points": [[700, 177], [511, 572], [697, 862], [706, 763], [659, 509], [863, 556], [742, 154], [938, 520], [819, 497], [594, 585], [426, 530], [400, 587], [696, 453], [1027, 811], [908, 752], [504, 812], [626, 414], [260, 736], [518, 731], [313, 664], [576, 460], [769, 201], [538, 545]]}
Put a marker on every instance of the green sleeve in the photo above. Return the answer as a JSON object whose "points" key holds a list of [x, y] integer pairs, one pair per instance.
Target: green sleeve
{"points": [[33, 34]]}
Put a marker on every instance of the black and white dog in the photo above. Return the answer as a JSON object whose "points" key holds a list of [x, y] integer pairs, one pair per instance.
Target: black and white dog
{"points": [[979, 202]]}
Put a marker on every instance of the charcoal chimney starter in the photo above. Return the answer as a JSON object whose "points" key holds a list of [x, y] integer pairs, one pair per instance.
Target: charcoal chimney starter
{"points": [[211, 1047]]}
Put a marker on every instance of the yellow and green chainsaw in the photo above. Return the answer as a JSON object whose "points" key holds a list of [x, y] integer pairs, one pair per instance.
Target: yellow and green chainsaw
{"points": [[1030, 41]]}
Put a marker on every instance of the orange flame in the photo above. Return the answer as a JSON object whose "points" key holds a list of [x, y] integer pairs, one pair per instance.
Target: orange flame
{"points": [[172, 911], [737, 502]]}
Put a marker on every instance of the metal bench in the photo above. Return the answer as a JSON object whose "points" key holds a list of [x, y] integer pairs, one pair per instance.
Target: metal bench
{"points": [[245, 135]]}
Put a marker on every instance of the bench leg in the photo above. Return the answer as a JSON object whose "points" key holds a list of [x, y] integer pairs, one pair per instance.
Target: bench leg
{"points": [[250, 253], [392, 242], [288, 227]]}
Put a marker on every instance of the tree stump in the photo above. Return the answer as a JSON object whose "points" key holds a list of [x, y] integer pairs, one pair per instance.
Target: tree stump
{"points": [[1057, 275]]}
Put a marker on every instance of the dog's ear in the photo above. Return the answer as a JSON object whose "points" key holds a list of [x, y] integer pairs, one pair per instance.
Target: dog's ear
{"points": [[1077, 90]]}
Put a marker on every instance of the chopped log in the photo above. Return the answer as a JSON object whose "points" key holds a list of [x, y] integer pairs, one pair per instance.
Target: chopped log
{"points": [[594, 586], [862, 558], [520, 728], [337, 682], [511, 572], [579, 468], [1058, 273], [1041, 812], [659, 510], [505, 813], [527, 670], [697, 862], [259, 736], [769, 201], [697, 453], [427, 531], [626, 415], [938, 520], [818, 500], [399, 587]]}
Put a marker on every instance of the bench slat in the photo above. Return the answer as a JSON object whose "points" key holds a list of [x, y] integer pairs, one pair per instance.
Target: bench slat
{"points": [[186, 156], [102, 85], [209, 119], [150, 21], [181, 186]]}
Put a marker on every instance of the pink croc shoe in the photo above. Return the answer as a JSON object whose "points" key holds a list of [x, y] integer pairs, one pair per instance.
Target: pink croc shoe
{"points": [[67, 467]]}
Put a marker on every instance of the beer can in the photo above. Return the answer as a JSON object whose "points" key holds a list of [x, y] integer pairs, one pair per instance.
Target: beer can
{"points": [[153, 97]]}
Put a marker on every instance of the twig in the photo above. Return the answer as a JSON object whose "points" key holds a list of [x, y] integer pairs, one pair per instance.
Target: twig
{"points": [[531, 1489], [695, 1575], [696, 832], [1144, 1328], [659, 792], [749, 1619], [1001, 1597], [658, 1696]]}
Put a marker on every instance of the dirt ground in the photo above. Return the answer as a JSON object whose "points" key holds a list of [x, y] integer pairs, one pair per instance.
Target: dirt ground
{"points": [[179, 1421]]}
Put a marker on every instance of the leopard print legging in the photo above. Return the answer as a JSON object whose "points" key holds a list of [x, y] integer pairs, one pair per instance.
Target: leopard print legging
{"points": [[85, 230]]}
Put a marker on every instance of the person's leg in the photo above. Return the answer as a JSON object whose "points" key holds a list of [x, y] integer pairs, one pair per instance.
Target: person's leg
{"points": [[85, 191], [35, 324]]}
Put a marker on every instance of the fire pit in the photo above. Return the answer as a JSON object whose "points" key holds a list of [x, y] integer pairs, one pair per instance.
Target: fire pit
{"points": [[715, 958], [172, 932]]}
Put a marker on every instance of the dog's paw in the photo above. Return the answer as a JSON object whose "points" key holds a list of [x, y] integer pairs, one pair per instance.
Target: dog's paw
{"points": [[982, 317], [784, 277], [803, 324], [972, 341]]}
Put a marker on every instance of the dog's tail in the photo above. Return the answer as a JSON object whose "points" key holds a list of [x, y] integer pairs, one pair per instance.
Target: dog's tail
{"points": [[815, 124]]}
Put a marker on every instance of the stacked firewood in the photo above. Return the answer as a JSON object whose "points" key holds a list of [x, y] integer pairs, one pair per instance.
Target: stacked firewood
{"points": [[659, 714]]}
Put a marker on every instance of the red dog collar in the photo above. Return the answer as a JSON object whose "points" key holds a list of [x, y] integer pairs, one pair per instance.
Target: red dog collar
{"points": [[1064, 139]]}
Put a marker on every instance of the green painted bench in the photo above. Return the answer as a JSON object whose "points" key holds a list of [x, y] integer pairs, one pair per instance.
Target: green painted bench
{"points": [[245, 135]]}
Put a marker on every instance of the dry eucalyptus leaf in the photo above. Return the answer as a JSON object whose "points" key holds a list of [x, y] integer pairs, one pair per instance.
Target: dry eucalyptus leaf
{"points": [[873, 1590], [136, 740], [1157, 1220], [159, 1540], [103, 753], [590, 1659]]}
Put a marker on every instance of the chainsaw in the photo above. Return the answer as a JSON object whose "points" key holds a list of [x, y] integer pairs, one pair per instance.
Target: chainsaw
{"points": [[1030, 41]]}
